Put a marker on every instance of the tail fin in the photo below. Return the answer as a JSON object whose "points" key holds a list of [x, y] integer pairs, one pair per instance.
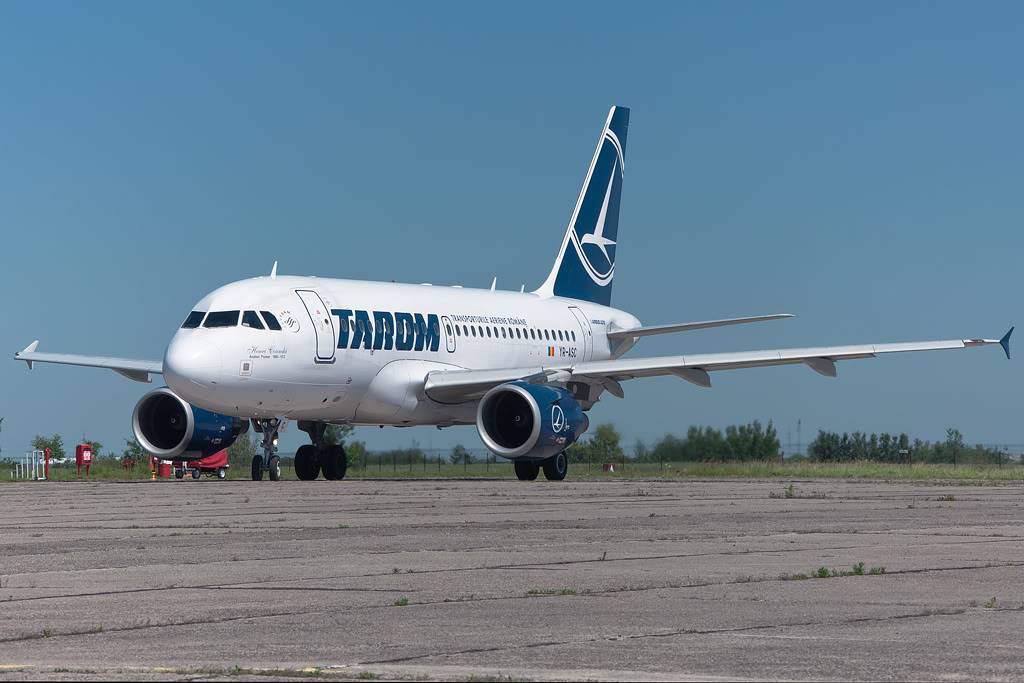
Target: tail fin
{"points": [[586, 262]]}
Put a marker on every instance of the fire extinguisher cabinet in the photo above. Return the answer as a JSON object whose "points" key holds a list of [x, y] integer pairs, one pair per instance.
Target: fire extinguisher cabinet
{"points": [[83, 458]]}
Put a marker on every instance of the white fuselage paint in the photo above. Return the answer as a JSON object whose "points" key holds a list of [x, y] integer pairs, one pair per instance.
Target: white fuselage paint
{"points": [[300, 373]]}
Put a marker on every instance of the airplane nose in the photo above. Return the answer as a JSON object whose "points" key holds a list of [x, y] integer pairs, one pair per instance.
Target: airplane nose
{"points": [[192, 361]]}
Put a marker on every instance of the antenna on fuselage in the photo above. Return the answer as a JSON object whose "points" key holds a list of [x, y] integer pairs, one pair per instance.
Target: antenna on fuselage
{"points": [[273, 271], [494, 283]]}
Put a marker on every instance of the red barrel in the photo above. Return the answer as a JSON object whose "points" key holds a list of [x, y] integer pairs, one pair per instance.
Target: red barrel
{"points": [[164, 470]]}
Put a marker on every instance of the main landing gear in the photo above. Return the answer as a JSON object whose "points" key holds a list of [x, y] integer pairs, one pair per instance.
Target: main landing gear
{"points": [[268, 462], [317, 457], [555, 468]]}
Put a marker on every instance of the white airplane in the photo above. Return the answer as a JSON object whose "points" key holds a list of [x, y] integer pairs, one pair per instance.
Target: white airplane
{"points": [[524, 367]]}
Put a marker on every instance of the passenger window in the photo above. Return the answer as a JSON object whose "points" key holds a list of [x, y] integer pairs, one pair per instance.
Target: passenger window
{"points": [[193, 320], [250, 319], [503, 335], [532, 334], [546, 335], [448, 329], [518, 336], [488, 331], [465, 331], [560, 336], [222, 319], [573, 336], [271, 321]]}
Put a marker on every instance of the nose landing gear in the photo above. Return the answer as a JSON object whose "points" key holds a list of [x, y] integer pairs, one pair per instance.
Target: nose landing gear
{"points": [[268, 462]]}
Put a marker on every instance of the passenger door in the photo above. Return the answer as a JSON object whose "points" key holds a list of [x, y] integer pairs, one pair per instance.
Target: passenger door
{"points": [[449, 333], [323, 324], [586, 333]]}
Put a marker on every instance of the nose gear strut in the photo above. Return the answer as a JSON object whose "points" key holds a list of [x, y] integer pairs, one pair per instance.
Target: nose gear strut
{"points": [[268, 462]]}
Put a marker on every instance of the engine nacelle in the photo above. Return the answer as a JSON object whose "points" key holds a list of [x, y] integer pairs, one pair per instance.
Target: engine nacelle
{"points": [[171, 429], [521, 420]]}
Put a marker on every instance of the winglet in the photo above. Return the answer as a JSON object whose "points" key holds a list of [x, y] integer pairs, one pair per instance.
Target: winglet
{"points": [[273, 271], [28, 349], [1005, 343]]}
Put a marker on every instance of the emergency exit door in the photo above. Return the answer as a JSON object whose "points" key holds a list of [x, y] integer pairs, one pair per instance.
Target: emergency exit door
{"points": [[323, 324]]}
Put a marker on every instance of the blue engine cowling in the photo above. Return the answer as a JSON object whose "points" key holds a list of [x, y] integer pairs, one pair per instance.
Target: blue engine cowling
{"points": [[171, 429], [531, 421]]}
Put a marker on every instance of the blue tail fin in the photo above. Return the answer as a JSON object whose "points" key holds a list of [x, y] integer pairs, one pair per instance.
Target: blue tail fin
{"points": [[586, 262]]}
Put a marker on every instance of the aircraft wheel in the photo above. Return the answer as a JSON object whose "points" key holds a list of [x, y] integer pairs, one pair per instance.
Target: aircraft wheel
{"points": [[334, 462], [257, 468], [275, 468], [526, 470], [555, 468], [307, 465]]}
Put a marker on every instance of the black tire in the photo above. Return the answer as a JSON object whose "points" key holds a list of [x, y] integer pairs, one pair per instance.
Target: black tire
{"points": [[179, 474], [555, 468], [196, 474], [257, 468], [275, 468], [307, 465], [222, 473], [334, 463], [526, 470]]}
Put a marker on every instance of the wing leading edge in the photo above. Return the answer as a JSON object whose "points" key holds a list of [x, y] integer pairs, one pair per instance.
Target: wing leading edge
{"points": [[696, 368], [138, 370]]}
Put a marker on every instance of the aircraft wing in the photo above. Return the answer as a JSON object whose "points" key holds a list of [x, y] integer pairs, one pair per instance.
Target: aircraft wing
{"points": [[469, 384], [138, 370]]}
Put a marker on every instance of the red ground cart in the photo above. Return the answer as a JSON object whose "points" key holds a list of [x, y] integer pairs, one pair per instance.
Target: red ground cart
{"points": [[211, 465]]}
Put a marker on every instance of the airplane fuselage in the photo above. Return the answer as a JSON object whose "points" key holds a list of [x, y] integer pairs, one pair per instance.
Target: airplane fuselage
{"points": [[357, 352]]}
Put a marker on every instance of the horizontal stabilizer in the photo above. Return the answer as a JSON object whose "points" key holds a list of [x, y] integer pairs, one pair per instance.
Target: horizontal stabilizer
{"points": [[618, 335]]}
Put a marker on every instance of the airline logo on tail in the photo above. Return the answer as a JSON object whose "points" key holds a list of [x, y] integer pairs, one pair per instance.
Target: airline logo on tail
{"points": [[586, 270]]}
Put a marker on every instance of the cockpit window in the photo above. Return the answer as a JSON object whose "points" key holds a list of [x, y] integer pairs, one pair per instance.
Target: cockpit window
{"points": [[272, 323], [250, 319], [221, 319], [193, 320]]}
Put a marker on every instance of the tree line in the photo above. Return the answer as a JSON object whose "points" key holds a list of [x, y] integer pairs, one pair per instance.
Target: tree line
{"points": [[752, 441], [898, 448]]}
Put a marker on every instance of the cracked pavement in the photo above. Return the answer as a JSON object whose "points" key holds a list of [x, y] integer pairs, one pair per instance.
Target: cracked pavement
{"points": [[626, 580]]}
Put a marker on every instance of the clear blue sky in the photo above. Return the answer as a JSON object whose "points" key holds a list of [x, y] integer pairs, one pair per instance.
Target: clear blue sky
{"points": [[857, 164]]}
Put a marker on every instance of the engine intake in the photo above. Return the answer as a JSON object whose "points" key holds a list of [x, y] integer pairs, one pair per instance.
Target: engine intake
{"points": [[171, 429], [521, 420]]}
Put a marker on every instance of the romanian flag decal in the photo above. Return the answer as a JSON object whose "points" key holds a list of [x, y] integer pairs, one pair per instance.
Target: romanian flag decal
{"points": [[551, 351]]}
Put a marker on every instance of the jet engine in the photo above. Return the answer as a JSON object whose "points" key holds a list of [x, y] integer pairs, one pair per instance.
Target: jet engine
{"points": [[171, 429], [521, 420]]}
